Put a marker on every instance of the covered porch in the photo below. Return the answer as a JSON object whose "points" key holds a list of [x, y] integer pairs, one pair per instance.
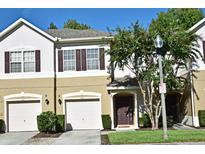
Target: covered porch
{"points": [[123, 105]]}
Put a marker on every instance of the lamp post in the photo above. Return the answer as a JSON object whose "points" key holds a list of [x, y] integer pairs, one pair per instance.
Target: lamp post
{"points": [[158, 43]]}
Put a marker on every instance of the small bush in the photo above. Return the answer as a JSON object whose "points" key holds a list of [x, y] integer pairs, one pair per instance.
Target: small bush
{"points": [[60, 125], [47, 122], [2, 126], [201, 115], [144, 121], [170, 121], [106, 121]]}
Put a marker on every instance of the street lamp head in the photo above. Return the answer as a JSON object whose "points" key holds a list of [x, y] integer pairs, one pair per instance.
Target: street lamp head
{"points": [[158, 42]]}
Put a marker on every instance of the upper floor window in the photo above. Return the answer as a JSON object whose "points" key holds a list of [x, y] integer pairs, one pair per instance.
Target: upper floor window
{"points": [[92, 59], [22, 61], [29, 61], [16, 61], [69, 59]]}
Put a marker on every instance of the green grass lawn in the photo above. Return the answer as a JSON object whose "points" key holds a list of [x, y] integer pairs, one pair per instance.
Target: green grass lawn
{"points": [[136, 137]]}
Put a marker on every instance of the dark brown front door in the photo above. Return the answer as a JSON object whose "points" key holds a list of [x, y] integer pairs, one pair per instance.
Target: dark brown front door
{"points": [[124, 110]]}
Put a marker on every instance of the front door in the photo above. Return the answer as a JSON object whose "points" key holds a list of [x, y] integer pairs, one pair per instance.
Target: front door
{"points": [[124, 110]]}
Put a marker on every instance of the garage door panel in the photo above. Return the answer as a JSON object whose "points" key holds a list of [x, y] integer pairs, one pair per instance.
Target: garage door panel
{"points": [[23, 116], [84, 114]]}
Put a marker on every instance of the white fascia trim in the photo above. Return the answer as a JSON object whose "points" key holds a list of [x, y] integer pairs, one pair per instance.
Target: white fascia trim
{"points": [[81, 93], [106, 46], [33, 75], [72, 74], [196, 25], [22, 95], [30, 25], [122, 88], [84, 39]]}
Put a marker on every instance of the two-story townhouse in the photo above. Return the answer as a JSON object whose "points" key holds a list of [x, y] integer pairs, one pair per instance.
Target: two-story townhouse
{"points": [[65, 71]]}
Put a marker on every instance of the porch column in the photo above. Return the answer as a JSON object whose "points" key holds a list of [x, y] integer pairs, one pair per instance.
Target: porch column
{"points": [[136, 111], [111, 109]]}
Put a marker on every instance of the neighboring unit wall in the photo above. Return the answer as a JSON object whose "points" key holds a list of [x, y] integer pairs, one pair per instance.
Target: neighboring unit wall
{"points": [[24, 38], [199, 85], [94, 81]]}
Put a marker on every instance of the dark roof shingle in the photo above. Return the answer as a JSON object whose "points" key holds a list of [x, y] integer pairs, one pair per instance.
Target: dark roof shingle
{"points": [[67, 33]]}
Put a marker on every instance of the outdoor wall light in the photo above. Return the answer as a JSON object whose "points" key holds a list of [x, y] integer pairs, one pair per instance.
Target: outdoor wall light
{"points": [[47, 101], [59, 101]]}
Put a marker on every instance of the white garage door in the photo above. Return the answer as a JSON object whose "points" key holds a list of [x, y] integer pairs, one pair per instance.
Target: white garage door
{"points": [[84, 114], [22, 116]]}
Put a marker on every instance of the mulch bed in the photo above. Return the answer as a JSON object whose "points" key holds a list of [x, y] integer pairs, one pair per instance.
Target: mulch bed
{"points": [[105, 140], [47, 135]]}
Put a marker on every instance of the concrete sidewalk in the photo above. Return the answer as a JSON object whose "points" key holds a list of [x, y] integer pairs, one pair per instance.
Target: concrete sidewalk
{"points": [[15, 138], [81, 137]]}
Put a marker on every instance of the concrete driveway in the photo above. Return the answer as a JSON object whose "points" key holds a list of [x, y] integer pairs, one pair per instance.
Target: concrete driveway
{"points": [[81, 137], [15, 138]]}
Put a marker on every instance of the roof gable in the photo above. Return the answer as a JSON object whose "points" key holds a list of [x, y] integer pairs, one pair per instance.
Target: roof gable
{"points": [[197, 26], [23, 21]]}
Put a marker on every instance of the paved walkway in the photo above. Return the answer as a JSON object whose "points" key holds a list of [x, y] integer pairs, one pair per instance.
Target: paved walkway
{"points": [[180, 126], [15, 138], [81, 137]]}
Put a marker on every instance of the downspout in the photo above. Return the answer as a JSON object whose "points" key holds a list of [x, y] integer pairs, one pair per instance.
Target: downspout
{"points": [[55, 93], [192, 98]]}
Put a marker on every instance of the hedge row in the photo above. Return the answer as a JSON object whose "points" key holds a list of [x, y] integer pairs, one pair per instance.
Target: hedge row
{"points": [[201, 115], [2, 126]]}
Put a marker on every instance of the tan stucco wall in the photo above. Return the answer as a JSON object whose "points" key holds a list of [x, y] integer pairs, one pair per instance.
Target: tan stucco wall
{"points": [[199, 85], [87, 84], [42, 86], [45, 87]]}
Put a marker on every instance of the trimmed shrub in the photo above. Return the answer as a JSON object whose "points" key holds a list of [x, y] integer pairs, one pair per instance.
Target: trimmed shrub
{"points": [[47, 122], [2, 126], [144, 121], [201, 115], [170, 121], [106, 121], [60, 125]]}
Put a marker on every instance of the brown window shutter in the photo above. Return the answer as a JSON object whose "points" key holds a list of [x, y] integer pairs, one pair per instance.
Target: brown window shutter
{"points": [[102, 58], [78, 60], [7, 62], [204, 50], [38, 60], [60, 60], [83, 57]]}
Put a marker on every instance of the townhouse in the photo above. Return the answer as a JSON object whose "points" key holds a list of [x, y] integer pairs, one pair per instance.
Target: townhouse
{"points": [[65, 71], [68, 72]]}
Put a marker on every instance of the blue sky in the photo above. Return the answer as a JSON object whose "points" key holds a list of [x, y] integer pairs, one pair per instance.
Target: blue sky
{"points": [[97, 18]]}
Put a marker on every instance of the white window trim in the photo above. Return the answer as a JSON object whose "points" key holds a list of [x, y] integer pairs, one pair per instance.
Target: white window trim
{"points": [[22, 61], [98, 60], [68, 60]]}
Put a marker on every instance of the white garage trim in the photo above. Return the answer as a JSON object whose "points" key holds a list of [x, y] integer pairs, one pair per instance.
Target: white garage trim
{"points": [[81, 95], [20, 97]]}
